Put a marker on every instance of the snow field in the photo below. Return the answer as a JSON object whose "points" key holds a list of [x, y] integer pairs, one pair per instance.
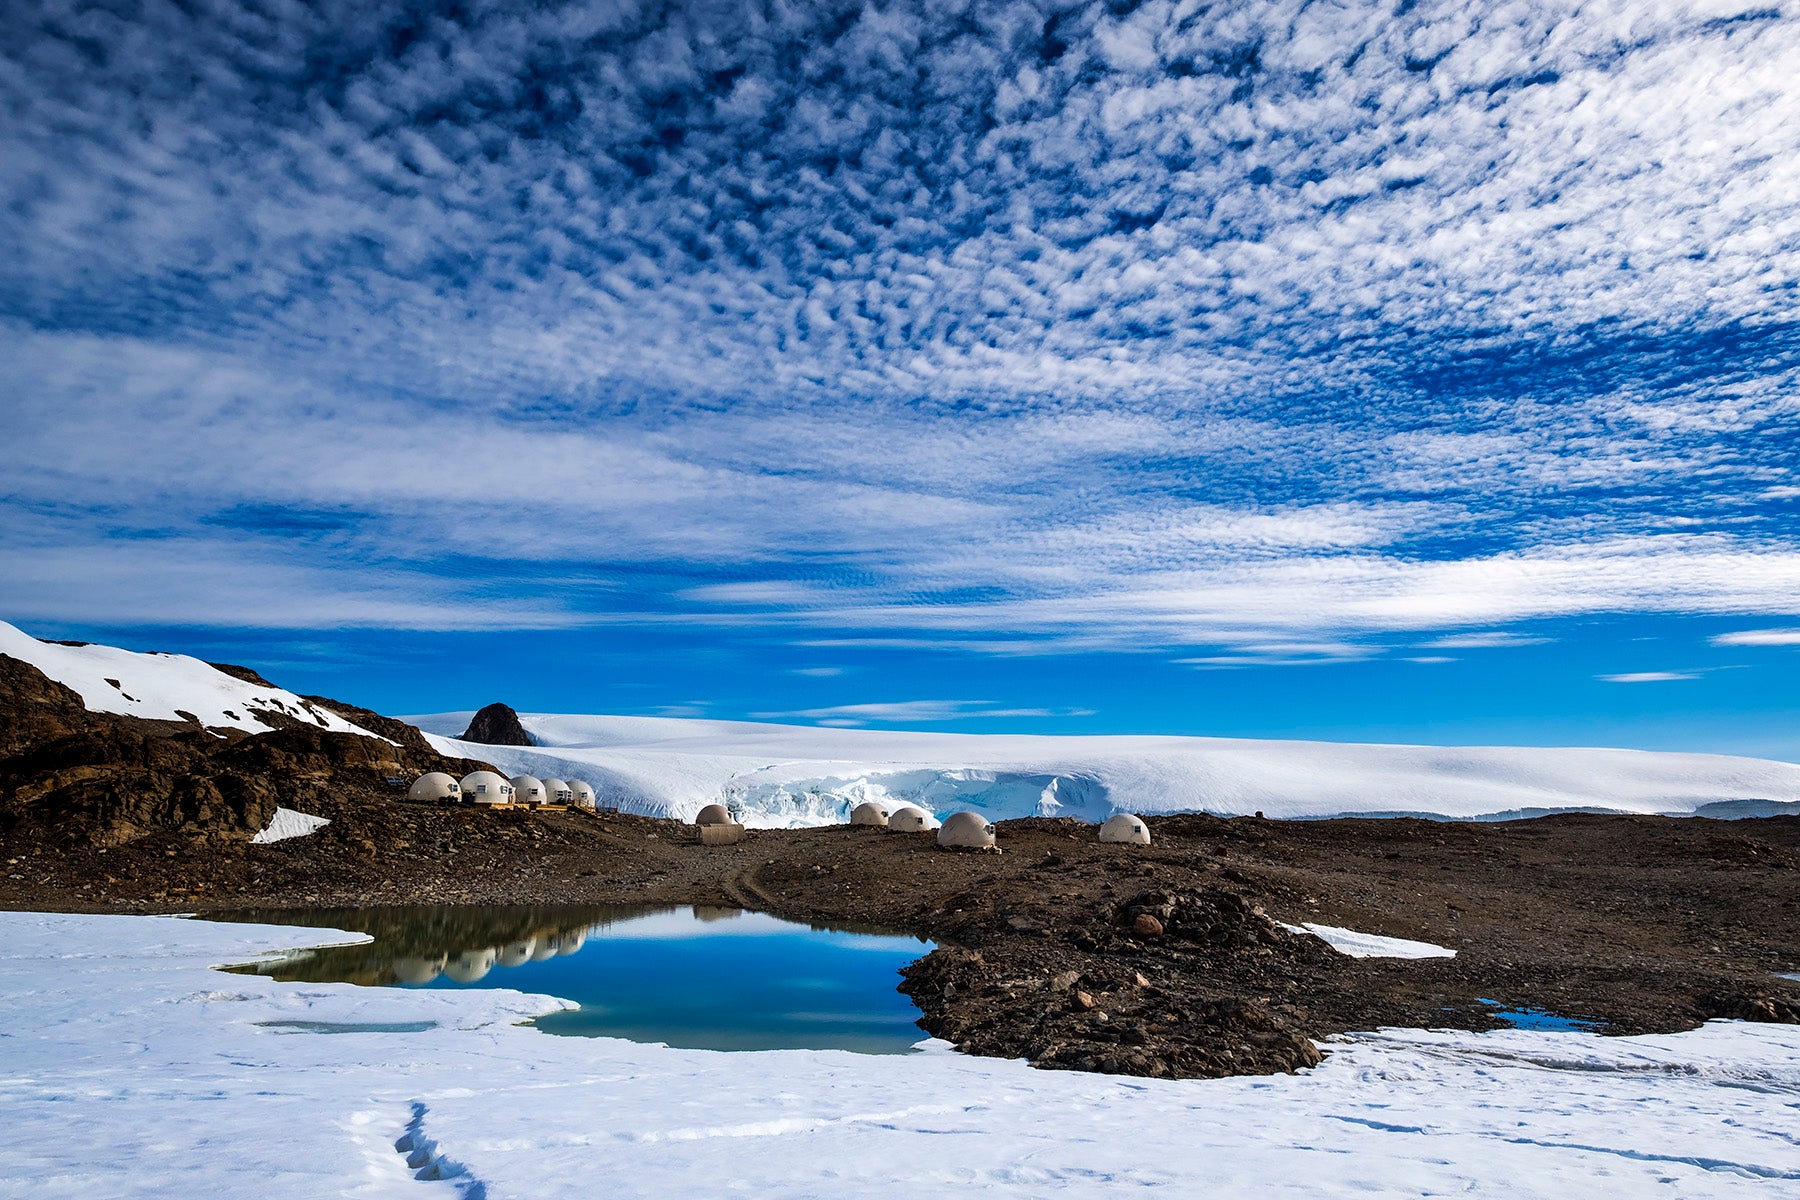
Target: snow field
{"points": [[132, 1070], [788, 775]]}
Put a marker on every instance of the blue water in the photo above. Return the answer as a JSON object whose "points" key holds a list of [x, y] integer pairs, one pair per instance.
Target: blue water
{"points": [[712, 979], [1540, 1019]]}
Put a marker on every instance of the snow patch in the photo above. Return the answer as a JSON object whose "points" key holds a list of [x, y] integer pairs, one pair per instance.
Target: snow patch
{"points": [[287, 823], [166, 687], [1369, 945]]}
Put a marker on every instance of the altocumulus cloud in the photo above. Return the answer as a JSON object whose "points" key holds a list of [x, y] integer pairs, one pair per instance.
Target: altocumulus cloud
{"points": [[1264, 326]]}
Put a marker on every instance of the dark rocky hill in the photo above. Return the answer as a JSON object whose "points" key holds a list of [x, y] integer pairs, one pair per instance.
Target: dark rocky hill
{"points": [[497, 725], [70, 777]]}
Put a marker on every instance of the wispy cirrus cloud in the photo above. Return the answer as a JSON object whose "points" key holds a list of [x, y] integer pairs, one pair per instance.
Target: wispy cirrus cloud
{"points": [[1269, 326], [1485, 640], [912, 712], [1758, 637]]}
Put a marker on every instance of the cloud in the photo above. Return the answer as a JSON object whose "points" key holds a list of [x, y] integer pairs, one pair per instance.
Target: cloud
{"points": [[1649, 676], [919, 711], [1027, 328], [1758, 637], [1485, 640]]}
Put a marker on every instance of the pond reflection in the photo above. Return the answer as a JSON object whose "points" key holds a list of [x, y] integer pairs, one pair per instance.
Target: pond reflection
{"points": [[706, 978]]}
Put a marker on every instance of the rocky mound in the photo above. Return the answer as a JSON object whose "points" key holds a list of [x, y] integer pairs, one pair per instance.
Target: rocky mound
{"points": [[497, 725], [70, 777], [1099, 1007]]}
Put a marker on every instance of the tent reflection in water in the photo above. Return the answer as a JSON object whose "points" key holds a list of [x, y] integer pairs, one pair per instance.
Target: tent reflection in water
{"points": [[471, 965], [419, 970], [516, 954]]}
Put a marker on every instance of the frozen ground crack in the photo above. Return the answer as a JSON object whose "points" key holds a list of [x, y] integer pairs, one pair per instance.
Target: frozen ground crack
{"points": [[1707, 1164], [426, 1159]]}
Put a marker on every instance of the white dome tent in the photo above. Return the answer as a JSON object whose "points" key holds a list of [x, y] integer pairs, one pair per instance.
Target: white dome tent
{"points": [[966, 831], [908, 819], [868, 813], [527, 789], [486, 787], [717, 827], [1125, 828], [435, 787], [556, 791], [583, 793]]}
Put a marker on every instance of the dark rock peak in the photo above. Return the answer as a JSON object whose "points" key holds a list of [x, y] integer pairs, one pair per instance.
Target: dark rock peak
{"points": [[392, 728], [497, 725], [244, 673]]}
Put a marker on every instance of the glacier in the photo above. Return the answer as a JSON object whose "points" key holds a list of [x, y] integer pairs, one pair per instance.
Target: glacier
{"points": [[786, 776]]}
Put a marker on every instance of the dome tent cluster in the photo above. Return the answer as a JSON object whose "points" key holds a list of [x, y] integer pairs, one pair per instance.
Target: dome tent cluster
{"points": [[972, 831], [492, 788]]}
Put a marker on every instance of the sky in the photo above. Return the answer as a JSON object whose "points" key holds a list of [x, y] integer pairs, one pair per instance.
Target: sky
{"points": [[1400, 371]]}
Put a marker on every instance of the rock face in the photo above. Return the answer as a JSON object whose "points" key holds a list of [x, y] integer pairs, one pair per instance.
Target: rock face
{"points": [[497, 725], [70, 777]]}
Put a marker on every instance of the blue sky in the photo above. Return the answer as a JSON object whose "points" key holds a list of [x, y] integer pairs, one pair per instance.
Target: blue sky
{"points": [[1418, 371]]}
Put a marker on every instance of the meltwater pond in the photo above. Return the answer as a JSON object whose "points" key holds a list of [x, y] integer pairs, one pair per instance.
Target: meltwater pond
{"points": [[704, 978]]}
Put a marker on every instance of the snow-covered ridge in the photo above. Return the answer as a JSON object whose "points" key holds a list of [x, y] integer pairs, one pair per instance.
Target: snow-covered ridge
{"points": [[790, 775], [164, 687]]}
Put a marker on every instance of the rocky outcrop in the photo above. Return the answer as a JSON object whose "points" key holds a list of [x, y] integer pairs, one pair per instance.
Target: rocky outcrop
{"points": [[391, 728], [244, 673], [34, 708], [70, 777], [497, 725]]}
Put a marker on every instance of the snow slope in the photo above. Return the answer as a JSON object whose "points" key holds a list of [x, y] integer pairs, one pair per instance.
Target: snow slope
{"points": [[1352, 944], [289, 823], [164, 686], [789, 775], [134, 1071]]}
